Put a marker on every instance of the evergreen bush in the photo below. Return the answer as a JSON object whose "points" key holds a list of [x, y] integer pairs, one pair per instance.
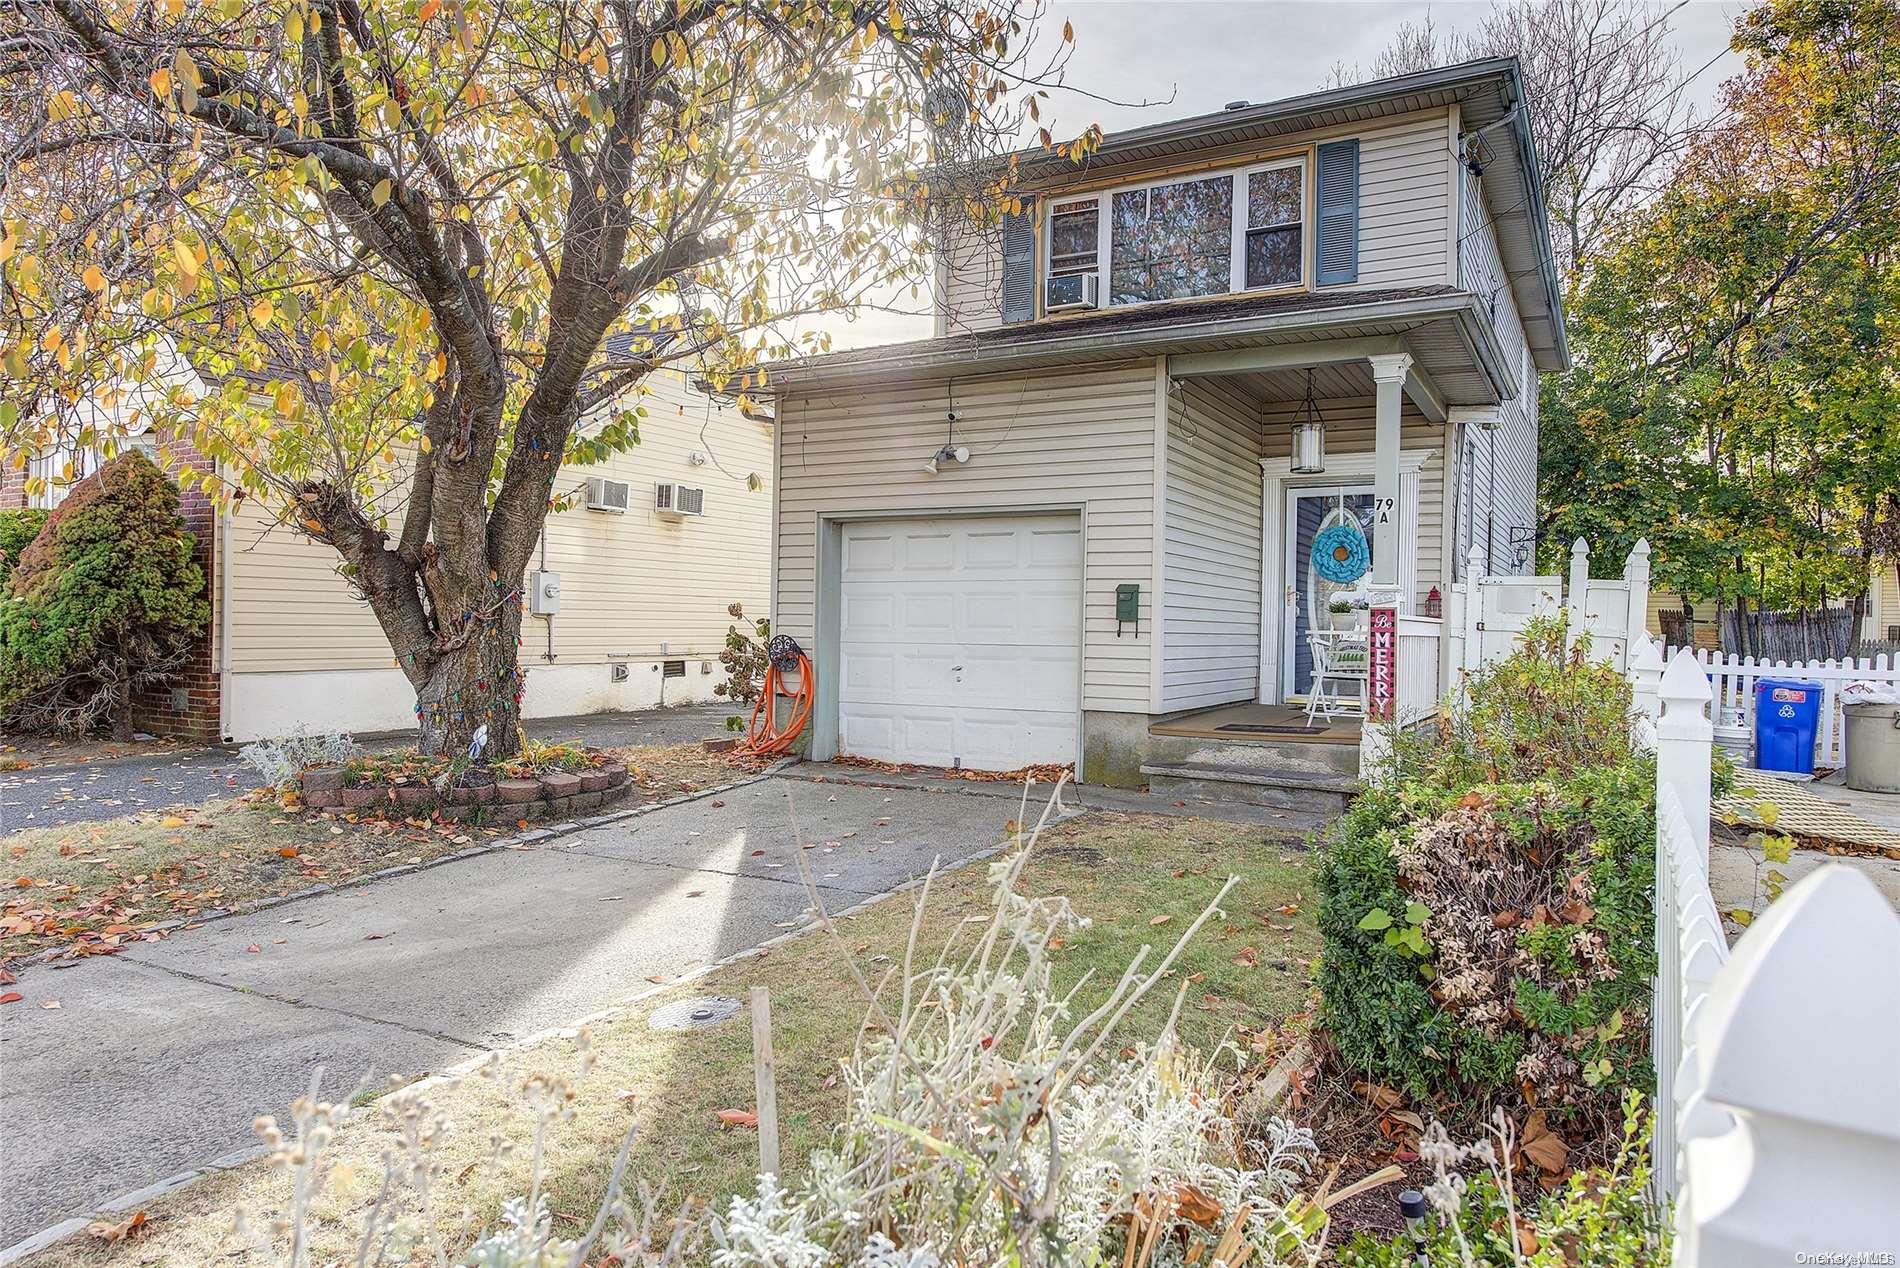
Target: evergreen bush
{"points": [[1488, 910], [17, 531], [107, 603]]}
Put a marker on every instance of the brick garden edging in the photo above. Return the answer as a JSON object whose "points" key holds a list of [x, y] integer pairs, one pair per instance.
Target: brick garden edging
{"points": [[557, 795]]}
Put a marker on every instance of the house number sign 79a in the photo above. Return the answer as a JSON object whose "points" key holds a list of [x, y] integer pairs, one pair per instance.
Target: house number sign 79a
{"points": [[1382, 510]]}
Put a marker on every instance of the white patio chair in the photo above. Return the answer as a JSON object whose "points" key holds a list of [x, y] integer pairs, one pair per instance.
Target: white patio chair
{"points": [[1339, 660]]}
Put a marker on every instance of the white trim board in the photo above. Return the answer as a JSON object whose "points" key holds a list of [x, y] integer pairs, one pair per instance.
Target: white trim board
{"points": [[1276, 477]]}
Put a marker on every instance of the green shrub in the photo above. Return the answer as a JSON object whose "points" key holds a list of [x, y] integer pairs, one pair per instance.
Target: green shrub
{"points": [[107, 603], [1488, 910], [1600, 1218], [17, 531]]}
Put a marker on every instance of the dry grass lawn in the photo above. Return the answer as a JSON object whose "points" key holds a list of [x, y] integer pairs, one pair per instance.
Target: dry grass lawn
{"points": [[1250, 969], [94, 886], [664, 771]]}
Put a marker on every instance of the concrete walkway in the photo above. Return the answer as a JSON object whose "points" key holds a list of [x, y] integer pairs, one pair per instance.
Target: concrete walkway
{"points": [[158, 1059]]}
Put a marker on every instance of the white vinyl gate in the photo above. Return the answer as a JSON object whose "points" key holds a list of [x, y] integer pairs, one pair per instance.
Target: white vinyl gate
{"points": [[960, 640]]}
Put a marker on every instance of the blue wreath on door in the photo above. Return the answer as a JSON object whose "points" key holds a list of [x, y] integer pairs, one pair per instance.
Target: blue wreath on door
{"points": [[1340, 553]]}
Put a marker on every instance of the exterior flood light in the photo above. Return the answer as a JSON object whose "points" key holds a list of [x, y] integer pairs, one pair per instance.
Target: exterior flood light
{"points": [[1309, 435], [949, 453]]}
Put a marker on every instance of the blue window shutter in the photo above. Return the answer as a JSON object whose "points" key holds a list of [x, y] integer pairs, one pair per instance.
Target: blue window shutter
{"points": [[1338, 212], [1019, 264]]}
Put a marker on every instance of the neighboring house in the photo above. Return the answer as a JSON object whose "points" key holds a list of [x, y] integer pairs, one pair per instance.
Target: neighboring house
{"points": [[643, 595], [1115, 527]]}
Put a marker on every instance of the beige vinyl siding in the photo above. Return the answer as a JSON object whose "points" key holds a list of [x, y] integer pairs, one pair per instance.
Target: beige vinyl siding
{"points": [[629, 582], [1049, 438], [1405, 205], [972, 281], [286, 608], [1888, 604], [1210, 644], [1349, 430]]}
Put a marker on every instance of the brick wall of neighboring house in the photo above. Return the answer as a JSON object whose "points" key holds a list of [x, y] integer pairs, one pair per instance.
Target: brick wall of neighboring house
{"points": [[12, 488], [189, 707]]}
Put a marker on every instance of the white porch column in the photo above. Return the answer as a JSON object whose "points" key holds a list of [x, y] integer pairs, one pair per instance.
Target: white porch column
{"points": [[1388, 376]]}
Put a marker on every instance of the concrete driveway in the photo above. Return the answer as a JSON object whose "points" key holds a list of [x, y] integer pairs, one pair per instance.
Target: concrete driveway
{"points": [[157, 1060]]}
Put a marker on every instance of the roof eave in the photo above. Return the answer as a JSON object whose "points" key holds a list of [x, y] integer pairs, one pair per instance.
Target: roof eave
{"points": [[1534, 194], [964, 357]]}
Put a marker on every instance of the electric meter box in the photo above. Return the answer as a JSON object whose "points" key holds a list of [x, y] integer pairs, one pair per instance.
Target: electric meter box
{"points": [[544, 593]]}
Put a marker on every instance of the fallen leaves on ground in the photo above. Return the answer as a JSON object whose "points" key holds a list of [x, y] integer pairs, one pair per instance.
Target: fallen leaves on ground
{"points": [[96, 888], [1047, 773], [737, 1118], [1543, 1146], [134, 1225], [663, 771]]}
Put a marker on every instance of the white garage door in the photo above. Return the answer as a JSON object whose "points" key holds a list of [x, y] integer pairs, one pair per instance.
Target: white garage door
{"points": [[961, 641]]}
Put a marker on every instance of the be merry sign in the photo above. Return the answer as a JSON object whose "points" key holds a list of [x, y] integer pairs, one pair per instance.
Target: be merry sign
{"points": [[1382, 663]]}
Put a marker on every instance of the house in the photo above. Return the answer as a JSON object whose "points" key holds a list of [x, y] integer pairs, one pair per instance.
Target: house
{"points": [[643, 592], [1076, 524]]}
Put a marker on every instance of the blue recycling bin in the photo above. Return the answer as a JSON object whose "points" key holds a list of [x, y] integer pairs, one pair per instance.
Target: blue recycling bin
{"points": [[1787, 712]]}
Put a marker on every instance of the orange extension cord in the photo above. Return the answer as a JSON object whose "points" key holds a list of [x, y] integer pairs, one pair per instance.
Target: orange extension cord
{"points": [[766, 738]]}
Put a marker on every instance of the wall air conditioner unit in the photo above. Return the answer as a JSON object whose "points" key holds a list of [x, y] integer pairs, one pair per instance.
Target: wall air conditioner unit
{"points": [[608, 495], [676, 501], [1068, 292]]}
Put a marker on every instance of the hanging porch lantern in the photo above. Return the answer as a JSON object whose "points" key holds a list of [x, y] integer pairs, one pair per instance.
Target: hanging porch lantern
{"points": [[1309, 435]]}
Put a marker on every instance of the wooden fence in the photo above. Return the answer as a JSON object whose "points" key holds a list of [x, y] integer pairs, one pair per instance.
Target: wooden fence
{"points": [[1733, 679], [1777, 1100]]}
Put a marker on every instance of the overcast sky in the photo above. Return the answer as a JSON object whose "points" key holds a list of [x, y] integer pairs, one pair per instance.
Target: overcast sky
{"points": [[1188, 57]]}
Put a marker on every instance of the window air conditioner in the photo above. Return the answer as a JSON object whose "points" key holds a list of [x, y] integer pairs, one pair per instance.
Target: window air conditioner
{"points": [[607, 495], [678, 500], [1069, 291]]}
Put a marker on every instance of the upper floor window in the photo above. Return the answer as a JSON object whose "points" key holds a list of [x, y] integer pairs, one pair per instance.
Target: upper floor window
{"points": [[1204, 235], [66, 463], [1276, 206], [1171, 241], [1073, 243]]}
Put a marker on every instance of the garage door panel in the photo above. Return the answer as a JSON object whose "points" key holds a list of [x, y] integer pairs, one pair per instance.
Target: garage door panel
{"points": [[926, 616], [870, 553], [960, 641], [928, 552], [869, 673], [869, 615], [999, 551], [1059, 550]]}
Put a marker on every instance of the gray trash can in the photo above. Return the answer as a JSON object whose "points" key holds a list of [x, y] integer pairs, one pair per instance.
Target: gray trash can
{"points": [[1873, 747]]}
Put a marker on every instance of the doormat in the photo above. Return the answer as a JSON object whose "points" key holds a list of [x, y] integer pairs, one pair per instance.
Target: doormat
{"points": [[1270, 728]]}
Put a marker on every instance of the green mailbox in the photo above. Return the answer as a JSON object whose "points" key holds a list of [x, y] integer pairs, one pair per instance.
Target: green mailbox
{"points": [[1127, 607]]}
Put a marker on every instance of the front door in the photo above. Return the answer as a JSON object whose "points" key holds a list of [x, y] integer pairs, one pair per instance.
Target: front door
{"points": [[1308, 511]]}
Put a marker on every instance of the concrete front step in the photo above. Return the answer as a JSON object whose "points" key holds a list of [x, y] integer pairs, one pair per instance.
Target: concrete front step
{"points": [[1317, 792], [1254, 754]]}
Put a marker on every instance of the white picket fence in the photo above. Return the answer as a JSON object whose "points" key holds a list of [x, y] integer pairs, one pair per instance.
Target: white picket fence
{"points": [[1734, 678], [1778, 1062]]}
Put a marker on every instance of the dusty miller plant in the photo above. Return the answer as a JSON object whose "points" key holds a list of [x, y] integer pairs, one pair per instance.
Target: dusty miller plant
{"points": [[282, 761], [400, 1226]]}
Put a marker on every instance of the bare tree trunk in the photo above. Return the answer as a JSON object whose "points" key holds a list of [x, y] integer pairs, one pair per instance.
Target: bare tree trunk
{"points": [[474, 686]]}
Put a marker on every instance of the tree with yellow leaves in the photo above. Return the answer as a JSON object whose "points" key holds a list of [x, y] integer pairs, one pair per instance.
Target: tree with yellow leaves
{"points": [[395, 235]]}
